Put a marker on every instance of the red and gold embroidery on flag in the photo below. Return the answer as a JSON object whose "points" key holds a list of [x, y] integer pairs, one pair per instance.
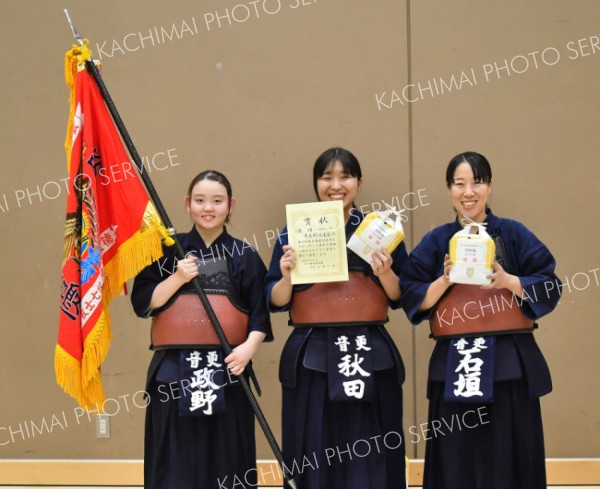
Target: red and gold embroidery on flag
{"points": [[112, 232]]}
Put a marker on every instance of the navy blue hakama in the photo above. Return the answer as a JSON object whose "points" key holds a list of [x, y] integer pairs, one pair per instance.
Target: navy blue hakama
{"points": [[352, 445], [502, 447], [205, 451], [340, 444], [194, 452], [507, 450]]}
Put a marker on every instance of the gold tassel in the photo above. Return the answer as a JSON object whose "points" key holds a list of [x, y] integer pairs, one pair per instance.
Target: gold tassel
{"points": [[151, 220], [75, 60], [166, 237]]}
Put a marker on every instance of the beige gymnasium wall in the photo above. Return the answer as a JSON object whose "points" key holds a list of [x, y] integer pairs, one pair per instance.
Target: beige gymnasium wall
{"points": [[258, 95]]}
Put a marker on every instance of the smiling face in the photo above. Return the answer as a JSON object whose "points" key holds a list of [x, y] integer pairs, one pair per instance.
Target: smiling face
{"points": [[209, 205], [337, 184], [469, 195]]}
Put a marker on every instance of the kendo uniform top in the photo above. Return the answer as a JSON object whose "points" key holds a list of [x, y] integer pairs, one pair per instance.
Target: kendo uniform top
{"points": [[486, 457], [311, 421], [201, 451]]}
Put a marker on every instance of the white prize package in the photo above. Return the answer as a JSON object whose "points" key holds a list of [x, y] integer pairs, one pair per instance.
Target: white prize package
{"points": [[472, 252], [378, 230]]}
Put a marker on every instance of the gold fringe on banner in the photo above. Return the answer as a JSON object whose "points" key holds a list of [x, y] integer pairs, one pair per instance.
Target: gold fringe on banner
{"points": [[82, 380]]}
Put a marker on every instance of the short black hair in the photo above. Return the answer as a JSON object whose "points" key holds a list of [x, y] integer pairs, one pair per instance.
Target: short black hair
{"points": [[348, 161], [482, 171], [213, 175]]}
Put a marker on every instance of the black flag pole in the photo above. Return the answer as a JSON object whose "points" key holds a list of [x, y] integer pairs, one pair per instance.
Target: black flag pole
{"points": [[180, 253]]}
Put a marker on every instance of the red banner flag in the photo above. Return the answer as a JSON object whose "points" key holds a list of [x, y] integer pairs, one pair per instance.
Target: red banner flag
{"points": [[112, 232]]}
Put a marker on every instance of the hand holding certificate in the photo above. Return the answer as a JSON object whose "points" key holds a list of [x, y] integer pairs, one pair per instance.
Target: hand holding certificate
{"points": [[316, 231]]}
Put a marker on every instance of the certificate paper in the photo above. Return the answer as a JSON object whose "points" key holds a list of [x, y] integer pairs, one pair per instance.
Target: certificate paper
{"points": [[317, 233]]}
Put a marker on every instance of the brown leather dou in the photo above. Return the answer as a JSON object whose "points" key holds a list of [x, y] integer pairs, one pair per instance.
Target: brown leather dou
{"points": [[469, 310], [186, 323], [359, 300]]}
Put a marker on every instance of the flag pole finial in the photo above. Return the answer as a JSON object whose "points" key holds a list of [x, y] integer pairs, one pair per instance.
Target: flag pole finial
{"points": [[76, 35]]}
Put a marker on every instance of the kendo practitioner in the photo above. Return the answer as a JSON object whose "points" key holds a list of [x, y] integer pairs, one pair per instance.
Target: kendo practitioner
{"points": [[199, 424], [340, 371], [492, 373]]}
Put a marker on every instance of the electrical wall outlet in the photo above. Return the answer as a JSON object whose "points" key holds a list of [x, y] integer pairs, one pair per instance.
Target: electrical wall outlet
{"points": [[102, 426]]}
